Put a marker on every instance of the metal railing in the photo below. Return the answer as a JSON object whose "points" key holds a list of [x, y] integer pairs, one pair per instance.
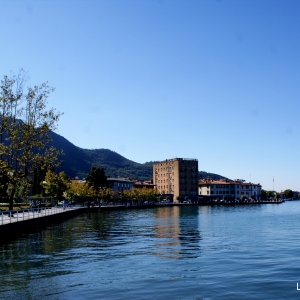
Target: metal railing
{"points": [[12, 216]]}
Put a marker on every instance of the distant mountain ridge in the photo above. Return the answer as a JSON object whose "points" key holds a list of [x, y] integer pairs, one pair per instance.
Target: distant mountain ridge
{"points": [[77, 162]]}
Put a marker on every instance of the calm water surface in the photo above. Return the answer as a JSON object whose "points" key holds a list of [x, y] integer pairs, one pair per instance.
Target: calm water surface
{"points": [[250, 252]]}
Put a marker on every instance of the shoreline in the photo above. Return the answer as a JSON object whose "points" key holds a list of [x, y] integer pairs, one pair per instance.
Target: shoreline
{"points": [[16, 228]]}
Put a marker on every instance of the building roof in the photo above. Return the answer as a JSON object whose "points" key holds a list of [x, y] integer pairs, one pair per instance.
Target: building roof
{"points": [[176, 159], [226, 181], [119, 179]]}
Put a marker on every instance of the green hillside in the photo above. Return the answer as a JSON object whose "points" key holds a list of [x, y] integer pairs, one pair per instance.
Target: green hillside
{"points": [[78, 162]]}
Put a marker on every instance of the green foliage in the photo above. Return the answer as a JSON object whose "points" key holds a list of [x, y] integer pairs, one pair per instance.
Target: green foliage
{"points": [[39, 174], [270, 194], [22, 187], [55, 185], [79, 191], [96, 179], [288, 194], [25, 124], [263, 194]]}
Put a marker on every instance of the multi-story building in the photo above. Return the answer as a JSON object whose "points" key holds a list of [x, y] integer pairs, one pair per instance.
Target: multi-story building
{"points": [[250, 190], [228, 189], [177, 176], [119, 184]]}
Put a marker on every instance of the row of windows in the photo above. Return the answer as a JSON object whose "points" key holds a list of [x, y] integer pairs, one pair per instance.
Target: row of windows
{"points": [[165, 174], [164, 169], [164, 186], [183, 168], [218, 193], [220, 186], [124, 185], [121, 189], [223, 193], [194, 186], [183, 174], [249, 187], [165, 180], [182, 180]]}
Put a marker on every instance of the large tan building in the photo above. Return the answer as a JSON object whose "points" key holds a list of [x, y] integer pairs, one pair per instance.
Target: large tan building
{"points": [[177, 176]]}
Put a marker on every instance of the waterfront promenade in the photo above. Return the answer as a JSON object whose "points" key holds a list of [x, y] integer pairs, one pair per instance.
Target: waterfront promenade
{"points": [[15, 223], [8, 217]]}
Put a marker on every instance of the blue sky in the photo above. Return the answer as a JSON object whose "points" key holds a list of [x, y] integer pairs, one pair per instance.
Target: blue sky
{"points": [[151, 80]]}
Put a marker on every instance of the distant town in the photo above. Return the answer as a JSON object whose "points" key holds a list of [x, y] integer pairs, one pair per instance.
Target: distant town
{"points": [[177, 179]]}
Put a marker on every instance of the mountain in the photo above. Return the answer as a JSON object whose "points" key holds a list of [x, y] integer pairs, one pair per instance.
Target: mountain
{"points": [[78, 162]]}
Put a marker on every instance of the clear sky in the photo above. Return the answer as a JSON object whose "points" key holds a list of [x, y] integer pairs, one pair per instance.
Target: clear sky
{"points": [[152, 80]]}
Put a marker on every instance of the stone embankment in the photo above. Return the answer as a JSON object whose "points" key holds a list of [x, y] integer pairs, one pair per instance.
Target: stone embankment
{"points": [[15, 223]]}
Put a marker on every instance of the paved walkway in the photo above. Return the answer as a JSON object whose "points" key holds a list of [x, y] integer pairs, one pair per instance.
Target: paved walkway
{"points": [[22, 215]]}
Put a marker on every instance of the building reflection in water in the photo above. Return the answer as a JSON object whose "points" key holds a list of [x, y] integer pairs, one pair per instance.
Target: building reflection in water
{"points": [[177, 232]]}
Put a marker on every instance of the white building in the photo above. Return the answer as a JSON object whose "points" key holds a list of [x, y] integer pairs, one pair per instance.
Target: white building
{"points": [[227, 189]]}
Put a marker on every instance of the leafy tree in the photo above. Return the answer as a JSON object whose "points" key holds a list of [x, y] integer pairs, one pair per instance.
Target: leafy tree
{"points": [[270, 194], [55, 185], [288, 194], [97, 180], [39, 174], [79, 191], [3, 187], [22, 187], [106, 194], [263, 194], [25, 126]]}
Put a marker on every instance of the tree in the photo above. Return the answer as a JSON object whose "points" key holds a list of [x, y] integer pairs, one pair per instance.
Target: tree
{"points": [[288, 194], [55, 185], [270, 194], [79, 191], [97, 180], [25, 126], [263, 194], [39, 174]]}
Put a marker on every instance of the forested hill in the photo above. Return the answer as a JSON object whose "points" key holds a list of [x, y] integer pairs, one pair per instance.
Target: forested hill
{"points": [[78, 162]]}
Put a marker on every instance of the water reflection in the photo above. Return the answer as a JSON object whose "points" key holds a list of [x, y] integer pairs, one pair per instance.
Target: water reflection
{"points": [[184, 253], [177, 229]]}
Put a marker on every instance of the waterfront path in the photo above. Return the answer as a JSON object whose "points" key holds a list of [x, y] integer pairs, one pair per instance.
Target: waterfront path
{"points": [[8, 217]]}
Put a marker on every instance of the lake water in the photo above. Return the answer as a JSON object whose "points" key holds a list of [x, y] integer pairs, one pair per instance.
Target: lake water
{"points": [[250, 252]]}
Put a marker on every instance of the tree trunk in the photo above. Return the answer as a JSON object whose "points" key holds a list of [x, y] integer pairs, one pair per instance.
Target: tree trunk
{"points": [[11, 199]]}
